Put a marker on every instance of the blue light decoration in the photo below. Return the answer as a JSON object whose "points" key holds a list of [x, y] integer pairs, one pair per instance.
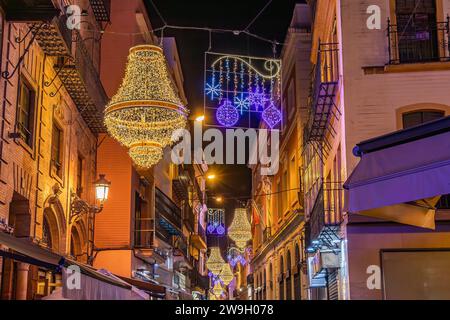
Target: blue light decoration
{"points": [[216, 222], [236, 256], [242, 91]]}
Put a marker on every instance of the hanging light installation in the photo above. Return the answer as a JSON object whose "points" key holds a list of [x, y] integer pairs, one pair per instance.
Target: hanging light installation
{"points": [[240, 230], [227, 274], [215, 261], [146, 110]]}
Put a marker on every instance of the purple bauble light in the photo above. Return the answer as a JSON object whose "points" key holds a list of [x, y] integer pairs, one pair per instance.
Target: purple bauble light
{"points": [[211, 228], [272, 116], [227, 115], [220, 230]]}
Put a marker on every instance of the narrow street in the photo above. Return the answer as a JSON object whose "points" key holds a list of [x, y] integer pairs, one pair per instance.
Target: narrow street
{"points": [[235, 151]]}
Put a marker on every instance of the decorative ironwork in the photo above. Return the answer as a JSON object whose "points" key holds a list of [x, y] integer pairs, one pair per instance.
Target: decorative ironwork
{"points": [[8, 75], [419, 43], [325, 218], [79, 207]]}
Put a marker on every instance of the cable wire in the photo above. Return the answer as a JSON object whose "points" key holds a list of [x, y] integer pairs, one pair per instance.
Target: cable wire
{"points": [[257, 16]]}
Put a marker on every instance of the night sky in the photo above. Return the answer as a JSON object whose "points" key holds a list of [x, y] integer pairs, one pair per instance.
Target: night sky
{"points": [[233, 181]]}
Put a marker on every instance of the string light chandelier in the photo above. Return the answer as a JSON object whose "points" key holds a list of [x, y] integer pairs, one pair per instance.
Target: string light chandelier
{"points": [[240, 230], [227, 274], [146, 110], [215, 261]]}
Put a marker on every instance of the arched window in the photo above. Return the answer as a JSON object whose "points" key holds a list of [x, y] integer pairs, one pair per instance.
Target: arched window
{"points": [[281, 278], [76, 249], [415, 118], [288, 278]]}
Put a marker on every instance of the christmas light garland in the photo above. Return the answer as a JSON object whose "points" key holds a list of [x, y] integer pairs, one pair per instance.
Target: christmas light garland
{"points": [[146, 110]]}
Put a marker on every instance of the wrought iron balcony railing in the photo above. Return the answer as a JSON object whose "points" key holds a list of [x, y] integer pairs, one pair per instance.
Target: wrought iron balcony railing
{"points": [[168, 216], [326, 215], [323, 109], [419, 43], [144, 233]]}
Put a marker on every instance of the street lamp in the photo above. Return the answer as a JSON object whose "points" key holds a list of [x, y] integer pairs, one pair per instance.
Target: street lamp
{"points": [[102, 188], [80, 207], [200, 118]]}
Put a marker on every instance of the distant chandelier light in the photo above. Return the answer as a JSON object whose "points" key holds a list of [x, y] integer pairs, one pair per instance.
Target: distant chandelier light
{"points": [[227, 274], [146, 110], [240, 230], [215, 261]]}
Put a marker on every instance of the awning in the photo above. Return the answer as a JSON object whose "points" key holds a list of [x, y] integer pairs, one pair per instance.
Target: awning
{"points": [[95, 285], [152, 289], [29, 252], [402, 183]]}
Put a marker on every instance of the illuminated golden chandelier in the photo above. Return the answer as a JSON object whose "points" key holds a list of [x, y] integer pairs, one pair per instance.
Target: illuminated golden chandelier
{"points": [[146, 110], [215, 261], [240, 230], [227, 274]]}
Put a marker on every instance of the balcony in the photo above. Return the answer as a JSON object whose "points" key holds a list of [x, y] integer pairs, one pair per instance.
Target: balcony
{"points": [[168, 217], [54, 37], [144, 233], [419, 43], [101, 9], [323, 108], [83, 84], [326, 216], [198, 281], [75, 69], [29, 10], [198, 239], [188, 217], [180, 248]]}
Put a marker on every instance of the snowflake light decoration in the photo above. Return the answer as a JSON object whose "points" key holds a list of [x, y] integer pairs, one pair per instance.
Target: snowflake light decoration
{"points": [[212, 90], [239, 89]]}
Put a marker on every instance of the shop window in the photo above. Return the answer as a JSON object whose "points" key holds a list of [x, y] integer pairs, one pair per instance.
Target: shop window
{"points": [[25, 112], [415, 118]]}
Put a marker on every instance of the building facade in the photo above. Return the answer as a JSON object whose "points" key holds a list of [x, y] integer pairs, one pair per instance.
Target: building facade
{"points": [[278, 209], [367, 82], [52, 102]]}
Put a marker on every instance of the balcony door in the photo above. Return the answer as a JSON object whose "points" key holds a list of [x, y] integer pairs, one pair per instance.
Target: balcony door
{"points": [[417, 30]]}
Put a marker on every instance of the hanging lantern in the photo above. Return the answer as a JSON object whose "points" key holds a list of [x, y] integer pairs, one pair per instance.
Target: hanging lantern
{"points": [[227, 274], [146, 111], [215, 261], [240, 230]]}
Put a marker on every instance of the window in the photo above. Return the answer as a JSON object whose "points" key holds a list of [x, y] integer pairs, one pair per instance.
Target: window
{"points": [[79, 176], [278, 204], [293, 183], [57, 150], [417, 30], [412, 119], [25, 110], [285, 191]]}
